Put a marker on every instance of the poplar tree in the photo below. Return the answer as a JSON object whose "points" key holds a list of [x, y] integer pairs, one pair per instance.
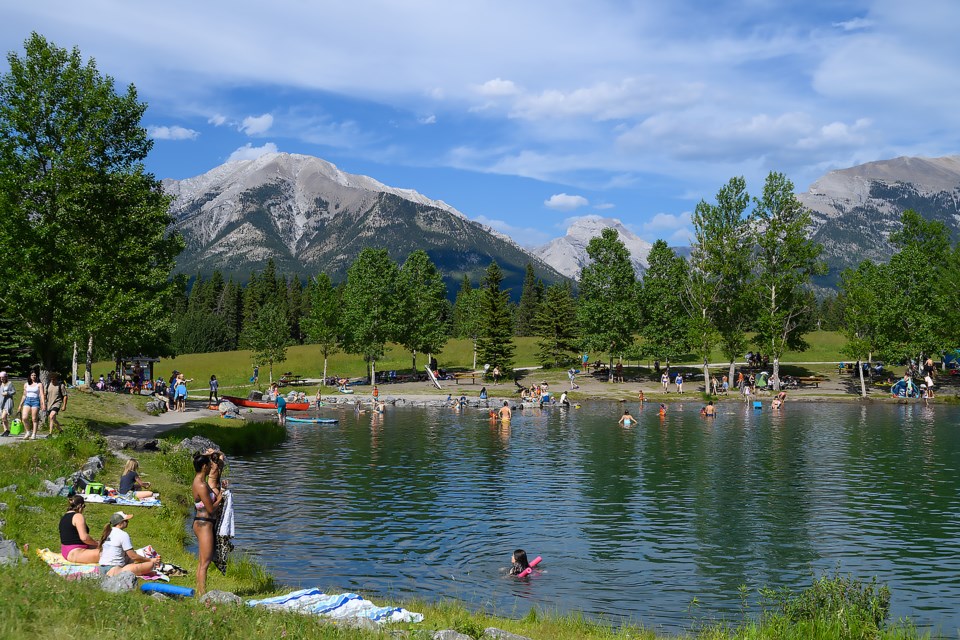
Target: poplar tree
{"points": [[495, 340], [323, 324], [785, 261], [607, 311], [422, 322], [863, 291], [267, 336], [466, 314], [370, 306], [665, 330], [84, 226]]}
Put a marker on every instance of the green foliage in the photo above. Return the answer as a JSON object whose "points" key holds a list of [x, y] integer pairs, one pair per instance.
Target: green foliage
{"points": [[607, 312], [785, 261], [495, 342], [422, 297], [556, 325], [370, 304], [665, 329], [267, 336], [79, 208], [202, 331], [851, 601], [235, 437], [323, 322], [531, 297]]}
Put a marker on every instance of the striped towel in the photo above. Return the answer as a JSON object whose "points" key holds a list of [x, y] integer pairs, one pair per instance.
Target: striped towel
{"points": [[344, 605]]}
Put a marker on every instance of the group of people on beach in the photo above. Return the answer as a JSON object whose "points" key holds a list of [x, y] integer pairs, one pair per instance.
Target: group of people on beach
{"points": [[114, 550], [36, 399]]}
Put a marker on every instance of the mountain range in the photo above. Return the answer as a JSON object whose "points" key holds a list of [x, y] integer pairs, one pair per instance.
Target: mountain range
{"points": [[308, 216]]}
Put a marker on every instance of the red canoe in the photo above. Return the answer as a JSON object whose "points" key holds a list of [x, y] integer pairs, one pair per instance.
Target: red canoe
{"points": [[256, 404]]}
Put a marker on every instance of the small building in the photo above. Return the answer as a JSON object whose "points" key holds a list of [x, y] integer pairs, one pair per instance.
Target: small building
{"points": [[128, 365]]}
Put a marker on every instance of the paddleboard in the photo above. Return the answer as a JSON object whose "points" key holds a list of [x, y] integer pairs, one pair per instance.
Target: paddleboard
{"points": [[314, 420], [433, 378]]}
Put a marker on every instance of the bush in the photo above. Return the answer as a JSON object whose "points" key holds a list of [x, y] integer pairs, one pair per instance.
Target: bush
{"points": [[235, 437], [853, 603]]}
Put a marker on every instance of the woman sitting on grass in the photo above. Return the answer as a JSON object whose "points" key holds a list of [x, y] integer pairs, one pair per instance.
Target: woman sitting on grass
{"points": [[76, 545], [116, 550], [130, 482]]}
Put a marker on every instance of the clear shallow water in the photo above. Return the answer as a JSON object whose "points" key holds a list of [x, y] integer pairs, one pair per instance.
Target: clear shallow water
{"points": [[632, 523]]}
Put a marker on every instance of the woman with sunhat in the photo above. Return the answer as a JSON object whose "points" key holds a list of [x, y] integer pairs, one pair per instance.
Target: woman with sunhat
{"points": [[116, 549]]}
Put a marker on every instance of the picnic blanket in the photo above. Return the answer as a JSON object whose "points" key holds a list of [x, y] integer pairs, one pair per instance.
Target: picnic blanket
{"points": [[67, 569], [340, 606], [121, 500]]}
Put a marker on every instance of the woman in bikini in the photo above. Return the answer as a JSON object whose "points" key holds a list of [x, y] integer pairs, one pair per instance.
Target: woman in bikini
{"points": [[206, 501]]}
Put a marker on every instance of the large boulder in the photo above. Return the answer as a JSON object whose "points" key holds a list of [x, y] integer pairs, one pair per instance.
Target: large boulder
{"points": [[197, 444], [123, 581], [119, 443], [221, 597], [10, 553], [492, 633], [450, 634]]}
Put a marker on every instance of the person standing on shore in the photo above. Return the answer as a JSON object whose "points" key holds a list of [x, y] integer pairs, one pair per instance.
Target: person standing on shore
{"points": [[206, 502], [7, 392], [56, 401], [34, 401], [665, 381], [214, 390]]}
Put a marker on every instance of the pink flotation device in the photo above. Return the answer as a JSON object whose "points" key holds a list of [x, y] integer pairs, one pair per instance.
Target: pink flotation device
{"points": [[529, 570]]}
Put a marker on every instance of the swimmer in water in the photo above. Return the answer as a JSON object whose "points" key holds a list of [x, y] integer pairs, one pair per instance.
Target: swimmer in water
{"points": [[663, 410], [518, 562], [505, 413], [709, 411], [626, 419]]}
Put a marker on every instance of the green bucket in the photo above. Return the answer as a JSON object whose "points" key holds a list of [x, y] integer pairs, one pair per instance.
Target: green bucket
{"points": [[16, 427]]}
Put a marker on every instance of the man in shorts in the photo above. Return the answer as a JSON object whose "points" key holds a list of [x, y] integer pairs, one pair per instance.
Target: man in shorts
{"points": [[7, 391], [281, 410]]}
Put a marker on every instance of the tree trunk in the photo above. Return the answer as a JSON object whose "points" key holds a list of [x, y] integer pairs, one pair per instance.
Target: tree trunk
{"points": [[610, 370], [324, 381], [73, 370], [414, 360], [776, 373], [706, 377], [731, 373], [271, 372], [863, 385], [89, 363], [474, 354], [373, 371]]}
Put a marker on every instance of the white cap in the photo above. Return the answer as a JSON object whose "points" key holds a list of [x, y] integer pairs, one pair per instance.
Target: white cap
{"points": [[3, 374]]}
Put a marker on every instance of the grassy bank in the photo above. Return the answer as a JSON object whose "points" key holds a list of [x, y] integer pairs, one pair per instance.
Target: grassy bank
{"points": [[37, 603], [234, 368]]}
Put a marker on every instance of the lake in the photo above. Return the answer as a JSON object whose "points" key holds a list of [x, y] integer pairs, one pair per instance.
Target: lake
{"points": [[632, 523]]}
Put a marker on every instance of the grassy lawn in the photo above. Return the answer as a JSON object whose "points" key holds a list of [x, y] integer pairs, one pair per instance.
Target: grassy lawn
{"points": [[234, 368]]}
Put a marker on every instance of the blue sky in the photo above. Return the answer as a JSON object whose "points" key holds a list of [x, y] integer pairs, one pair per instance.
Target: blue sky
{"points": [[524, 115]]}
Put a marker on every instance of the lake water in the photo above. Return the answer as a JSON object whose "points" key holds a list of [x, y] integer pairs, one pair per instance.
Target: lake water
{"points": [[632, 523]]}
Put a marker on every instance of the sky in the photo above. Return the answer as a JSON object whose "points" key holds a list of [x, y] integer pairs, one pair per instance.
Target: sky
{"points": [[527, 115]]}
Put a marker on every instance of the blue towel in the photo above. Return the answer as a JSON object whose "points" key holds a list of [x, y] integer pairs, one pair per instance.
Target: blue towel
{"points": [[344, 605]]}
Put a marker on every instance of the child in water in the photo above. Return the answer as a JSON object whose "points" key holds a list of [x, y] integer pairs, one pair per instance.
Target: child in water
{"points": [[663, 410], [518, 562]]}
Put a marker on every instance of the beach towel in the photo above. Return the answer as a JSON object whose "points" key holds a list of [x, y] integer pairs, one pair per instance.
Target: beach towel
{"points": [[222, 546], [122, 501], [339, 606], [67, 569]]}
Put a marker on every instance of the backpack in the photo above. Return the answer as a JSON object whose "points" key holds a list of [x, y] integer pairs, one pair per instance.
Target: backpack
{"points": [[95, 488]]}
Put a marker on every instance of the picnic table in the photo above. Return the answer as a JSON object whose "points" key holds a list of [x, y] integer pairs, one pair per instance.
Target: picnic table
{"points": [[811, 381], [463, 375], [292, 379]]}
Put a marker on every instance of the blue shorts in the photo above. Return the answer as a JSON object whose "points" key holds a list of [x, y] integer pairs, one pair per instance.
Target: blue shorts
{"points": [[31, 402]]}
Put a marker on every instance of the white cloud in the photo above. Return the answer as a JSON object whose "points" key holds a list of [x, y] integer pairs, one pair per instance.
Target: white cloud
{"points": [[525, 236], [174, 132], [255, 125], [603, 206], [217, 120], [564, 202], [854, 24], [498, 88], [676, 229], [249, 152], [431, 119]]}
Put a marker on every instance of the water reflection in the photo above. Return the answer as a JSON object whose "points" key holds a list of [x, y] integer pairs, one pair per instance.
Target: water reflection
{"points": [[631, 522]]}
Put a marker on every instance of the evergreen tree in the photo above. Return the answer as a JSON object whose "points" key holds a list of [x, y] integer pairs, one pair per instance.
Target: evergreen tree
{"points": [[607, 310], [295, 308], [79, 208], [666, 328], [556, 325], [267, 336], [231, 308], [422, 325], [495, 339], [370, 305], [466, 314], [786, 259], [323, 323], [531, 297]]}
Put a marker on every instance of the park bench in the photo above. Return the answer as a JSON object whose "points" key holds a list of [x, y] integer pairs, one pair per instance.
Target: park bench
{"points": [[811, 381], [463, 375]]}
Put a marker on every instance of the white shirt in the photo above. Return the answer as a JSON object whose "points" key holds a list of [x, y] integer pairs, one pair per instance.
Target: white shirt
{"points": [[113, 552]]}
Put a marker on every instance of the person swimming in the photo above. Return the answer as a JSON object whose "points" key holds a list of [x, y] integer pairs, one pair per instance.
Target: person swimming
{"points": [[626, 419], [663, 410], [518, 562], [709, 411]]}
